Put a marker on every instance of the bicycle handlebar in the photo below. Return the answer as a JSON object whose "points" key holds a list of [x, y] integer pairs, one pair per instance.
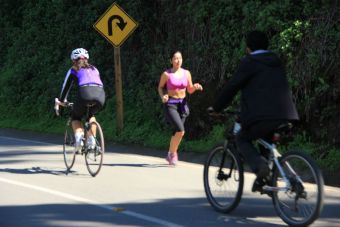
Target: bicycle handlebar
{"points": [[58, 103], [224, 113]]}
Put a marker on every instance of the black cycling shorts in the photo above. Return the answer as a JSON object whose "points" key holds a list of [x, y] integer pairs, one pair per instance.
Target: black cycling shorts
{"points": [[88, 95]]}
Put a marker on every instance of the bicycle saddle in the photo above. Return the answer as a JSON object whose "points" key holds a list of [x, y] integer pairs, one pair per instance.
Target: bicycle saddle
{"points": [[91, 103], [283, 129]]}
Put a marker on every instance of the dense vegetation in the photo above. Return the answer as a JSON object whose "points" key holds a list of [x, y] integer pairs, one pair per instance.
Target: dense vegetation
{"points": [[37, 37]]}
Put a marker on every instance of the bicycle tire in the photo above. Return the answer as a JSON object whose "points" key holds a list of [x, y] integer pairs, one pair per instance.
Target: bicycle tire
{"points": [[223, 201], [311, 178], [69, 152], [94, 157]]}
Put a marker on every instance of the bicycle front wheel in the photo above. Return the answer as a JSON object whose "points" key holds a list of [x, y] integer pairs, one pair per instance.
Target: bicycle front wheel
{"points": [[94, 155], [68, 148], [302, 202], [223, 179]]}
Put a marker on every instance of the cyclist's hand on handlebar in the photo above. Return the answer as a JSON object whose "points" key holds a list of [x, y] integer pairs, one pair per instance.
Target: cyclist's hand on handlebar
{"points": [[58, 103], [56, 106], [214, 116], [210, 109], [212, 112]]}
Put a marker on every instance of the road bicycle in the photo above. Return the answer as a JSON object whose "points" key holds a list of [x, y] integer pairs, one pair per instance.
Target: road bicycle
{"points": [[94, 154], [296, 184]]}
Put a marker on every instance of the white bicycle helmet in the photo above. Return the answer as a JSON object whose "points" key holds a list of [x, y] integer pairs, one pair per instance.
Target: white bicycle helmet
{"points": [[79, 52]]}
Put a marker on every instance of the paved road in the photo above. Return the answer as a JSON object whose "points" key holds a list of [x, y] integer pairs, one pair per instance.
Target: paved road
{"points": [[132, 189]]}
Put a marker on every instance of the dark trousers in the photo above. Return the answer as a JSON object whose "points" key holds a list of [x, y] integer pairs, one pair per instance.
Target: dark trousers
{"points": [[244, 139]]}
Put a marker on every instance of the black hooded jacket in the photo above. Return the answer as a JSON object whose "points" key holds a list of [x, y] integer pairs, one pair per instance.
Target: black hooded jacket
{"points": [[265, 93]]}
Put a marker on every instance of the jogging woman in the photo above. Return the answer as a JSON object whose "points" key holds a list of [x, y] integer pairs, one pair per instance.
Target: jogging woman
{"points": [[172, 88]]}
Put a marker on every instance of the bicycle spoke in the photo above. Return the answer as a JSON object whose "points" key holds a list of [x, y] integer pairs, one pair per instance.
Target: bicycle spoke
{"points": [[94, 156], [223, 180], [68, 148], [302, 202]]}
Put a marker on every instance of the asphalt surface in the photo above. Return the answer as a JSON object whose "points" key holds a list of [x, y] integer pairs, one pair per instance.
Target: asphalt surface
{"points": [[134, 188]]}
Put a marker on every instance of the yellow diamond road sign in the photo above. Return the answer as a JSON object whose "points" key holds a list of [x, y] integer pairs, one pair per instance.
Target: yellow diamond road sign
{"points": [[115, 25]]}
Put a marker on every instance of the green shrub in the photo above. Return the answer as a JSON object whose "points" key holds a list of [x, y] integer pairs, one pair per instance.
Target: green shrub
{"points": [[37, 37]]}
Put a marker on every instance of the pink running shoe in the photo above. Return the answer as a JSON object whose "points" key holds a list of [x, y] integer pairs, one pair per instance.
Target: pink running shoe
{"points": [[172, 158]]}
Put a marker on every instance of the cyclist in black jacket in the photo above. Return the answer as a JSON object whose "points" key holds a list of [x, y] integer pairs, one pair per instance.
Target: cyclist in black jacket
{"points": [[266, 101]]}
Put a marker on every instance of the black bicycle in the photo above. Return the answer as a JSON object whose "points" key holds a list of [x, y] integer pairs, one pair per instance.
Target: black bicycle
{"points": [[296, 185], [94, 154]]}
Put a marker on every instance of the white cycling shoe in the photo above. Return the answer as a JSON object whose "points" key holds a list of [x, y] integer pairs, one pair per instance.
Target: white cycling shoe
{"points": [[91, 143]]}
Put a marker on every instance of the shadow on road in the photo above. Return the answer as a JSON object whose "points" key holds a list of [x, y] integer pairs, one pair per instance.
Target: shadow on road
{"points": [[34, 170], [26, 154], [39, 170], [145, 165], [182, 211]]}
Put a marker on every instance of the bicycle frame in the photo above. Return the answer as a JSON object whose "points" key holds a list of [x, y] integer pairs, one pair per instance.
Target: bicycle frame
{"points": [[94, 153], [221, 175], [297, 204], [274, 158]]}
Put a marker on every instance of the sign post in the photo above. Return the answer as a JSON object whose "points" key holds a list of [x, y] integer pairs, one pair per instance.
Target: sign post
{"points": [[116, 26], [119, 91]]}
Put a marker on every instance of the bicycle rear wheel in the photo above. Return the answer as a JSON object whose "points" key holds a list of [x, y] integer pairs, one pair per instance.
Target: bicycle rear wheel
{"points": [[223, 179], [302, 203], [94, 156], [68, 148]]}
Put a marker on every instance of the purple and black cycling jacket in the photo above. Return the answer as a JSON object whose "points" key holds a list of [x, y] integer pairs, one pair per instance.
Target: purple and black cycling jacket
{"points": [[82, 77]]}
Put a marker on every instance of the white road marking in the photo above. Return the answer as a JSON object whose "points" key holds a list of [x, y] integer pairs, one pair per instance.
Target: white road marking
{"points": [[92, 202]]}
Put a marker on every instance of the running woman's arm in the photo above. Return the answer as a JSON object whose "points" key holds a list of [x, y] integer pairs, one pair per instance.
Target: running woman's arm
{"points": [[193, 87], [161, 87]]}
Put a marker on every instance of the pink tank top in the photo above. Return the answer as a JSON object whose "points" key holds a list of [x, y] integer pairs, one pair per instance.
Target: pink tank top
{"points": [[174, 83]]}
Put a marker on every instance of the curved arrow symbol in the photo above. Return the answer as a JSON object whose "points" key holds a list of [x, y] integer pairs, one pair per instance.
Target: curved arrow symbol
{"points": [[121, 24]]}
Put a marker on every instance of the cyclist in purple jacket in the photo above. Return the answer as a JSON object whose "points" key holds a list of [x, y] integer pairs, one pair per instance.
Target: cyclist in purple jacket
{"points": [[90, 90]]}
